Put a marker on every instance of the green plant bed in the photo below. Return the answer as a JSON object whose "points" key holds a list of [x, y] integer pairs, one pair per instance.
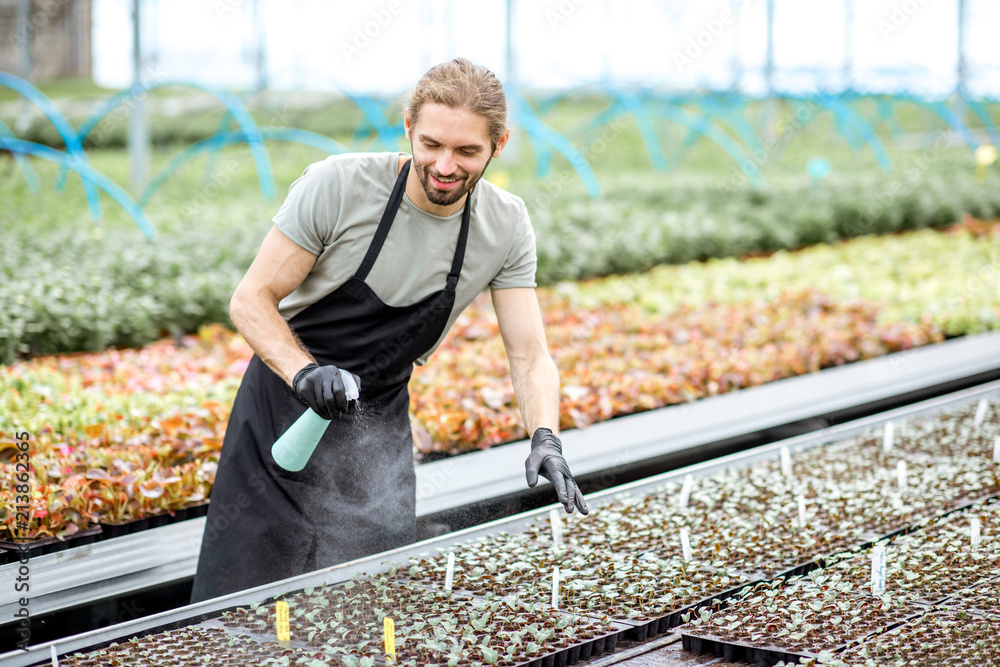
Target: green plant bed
{"points": [[90, 285]]}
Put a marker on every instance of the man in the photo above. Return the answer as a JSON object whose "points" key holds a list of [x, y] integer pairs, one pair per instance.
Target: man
{"points": [[370, 260]]}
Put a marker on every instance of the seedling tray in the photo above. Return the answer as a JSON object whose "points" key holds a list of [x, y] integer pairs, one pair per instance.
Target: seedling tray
{"points": [[11, 550], [647, 629], [111, 530], [765, 656], [604, 642]]}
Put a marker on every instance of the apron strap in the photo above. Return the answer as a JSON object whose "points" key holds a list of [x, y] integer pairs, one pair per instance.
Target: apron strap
{"points": [[463, 237], [385, 223]]}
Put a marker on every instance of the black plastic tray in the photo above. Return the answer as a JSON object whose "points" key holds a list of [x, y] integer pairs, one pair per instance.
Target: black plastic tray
{"points": [[765, 656], [112, 530], [604, 643], [647, 629], [10, 551]]}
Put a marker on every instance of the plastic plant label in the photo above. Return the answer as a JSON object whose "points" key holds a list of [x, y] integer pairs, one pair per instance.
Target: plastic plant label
{"points": [[901, 475], [996, 450], [878, 570], [686, 544], [557, 536], [975, 532], [888, 436], [980, 413], [786, 462], [555, 587], [682, 502], [55, 658], [281, 626], [389, 630], [449, 574], [802, 511]]}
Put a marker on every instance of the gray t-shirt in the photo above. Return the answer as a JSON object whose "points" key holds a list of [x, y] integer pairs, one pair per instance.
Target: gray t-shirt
{"points": [[334, 208]]}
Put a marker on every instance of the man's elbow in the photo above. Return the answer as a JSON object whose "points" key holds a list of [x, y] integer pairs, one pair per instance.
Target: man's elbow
{"points": [[243, 303], [536, 361]]}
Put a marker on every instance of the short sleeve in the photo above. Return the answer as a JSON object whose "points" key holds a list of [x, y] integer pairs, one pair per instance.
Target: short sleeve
{"points": [[519, 268], [308, 213]]}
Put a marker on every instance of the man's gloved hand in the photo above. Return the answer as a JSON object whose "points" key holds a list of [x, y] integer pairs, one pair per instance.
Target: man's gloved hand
{"points": [[546, 459], [322, 389]]}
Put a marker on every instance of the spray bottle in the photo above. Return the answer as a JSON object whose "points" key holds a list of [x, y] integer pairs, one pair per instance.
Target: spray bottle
{"points": [[296, 445]]}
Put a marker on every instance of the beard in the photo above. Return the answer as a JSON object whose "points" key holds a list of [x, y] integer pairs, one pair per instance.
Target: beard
{"points": [[452, 195]]}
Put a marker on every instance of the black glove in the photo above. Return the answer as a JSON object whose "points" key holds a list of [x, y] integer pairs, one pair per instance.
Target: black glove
{"points": [[546, 459], [322, 389]]}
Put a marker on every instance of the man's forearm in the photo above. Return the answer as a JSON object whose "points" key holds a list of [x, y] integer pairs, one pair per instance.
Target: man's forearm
{"points": [[536, 386], [257, 318]]}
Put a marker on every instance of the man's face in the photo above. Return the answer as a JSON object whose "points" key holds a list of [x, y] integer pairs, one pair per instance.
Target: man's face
{"points": [[451, 150]]}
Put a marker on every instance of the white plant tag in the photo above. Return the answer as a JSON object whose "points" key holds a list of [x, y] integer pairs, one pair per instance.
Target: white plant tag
{"points": [[901, 475], [682, 502], [449, 574], [686, 544], [786, 462], [802, 511], [980, 413], [878, 570], [55, 657], [555, 587], [996, 450], [975, 531], [557, 536], [888, 436]]}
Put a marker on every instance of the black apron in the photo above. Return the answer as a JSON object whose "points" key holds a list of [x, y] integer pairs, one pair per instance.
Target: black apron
{"points": [[357, 494]]}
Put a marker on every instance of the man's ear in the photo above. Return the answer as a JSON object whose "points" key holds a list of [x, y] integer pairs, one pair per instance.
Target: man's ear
{"points": [[407, 125], [501, 142]]}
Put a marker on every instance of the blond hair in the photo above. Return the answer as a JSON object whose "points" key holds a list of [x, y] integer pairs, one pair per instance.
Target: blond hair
{"points": [[458, 84]]}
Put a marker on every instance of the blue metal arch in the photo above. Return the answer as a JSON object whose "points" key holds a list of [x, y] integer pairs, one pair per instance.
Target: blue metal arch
{"points": [[850, 118], [536, 129], [87, 173], [697, 123], [73, 141], [23, 163], [233, 105], [220, 140]]}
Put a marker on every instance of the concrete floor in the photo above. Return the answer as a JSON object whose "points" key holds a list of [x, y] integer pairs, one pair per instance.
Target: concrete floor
{"points": [[663, 651]]}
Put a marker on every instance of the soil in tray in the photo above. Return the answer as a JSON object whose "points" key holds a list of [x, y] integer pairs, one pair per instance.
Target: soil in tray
{"points": [[811, 614], [941, 638], [188, 646], [634, 589], [431, 626]]}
